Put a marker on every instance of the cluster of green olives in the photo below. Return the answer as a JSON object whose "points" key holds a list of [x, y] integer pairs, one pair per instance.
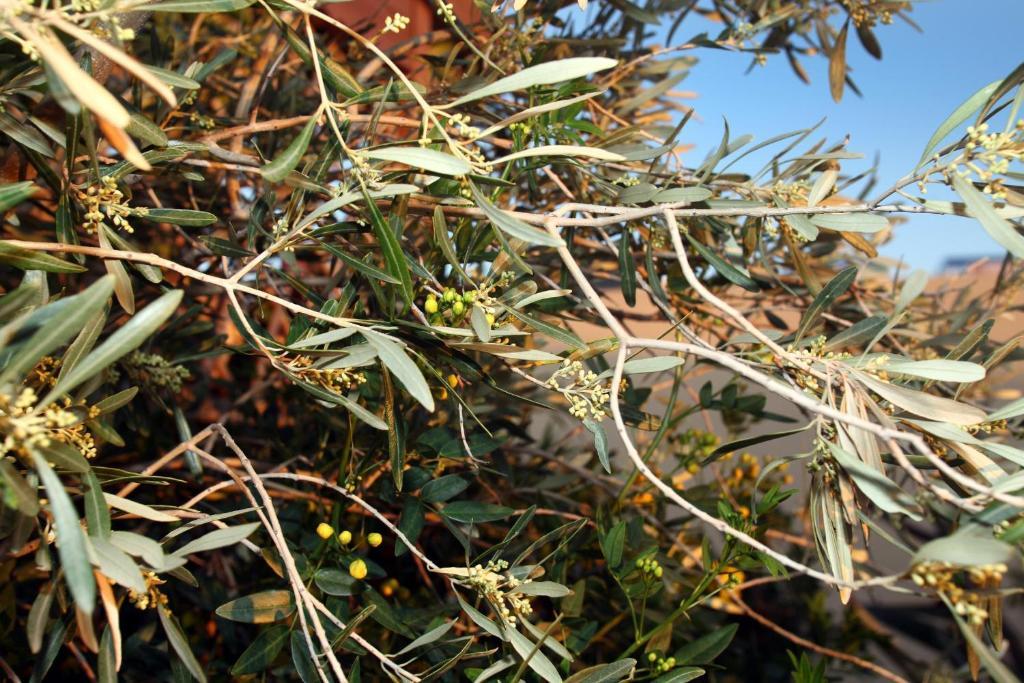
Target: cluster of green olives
{"points": [[649, 567], [660, 664], [452, 306]]}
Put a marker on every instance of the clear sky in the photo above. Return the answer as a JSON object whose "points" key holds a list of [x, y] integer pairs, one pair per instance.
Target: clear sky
{"points": [[963, 45]]}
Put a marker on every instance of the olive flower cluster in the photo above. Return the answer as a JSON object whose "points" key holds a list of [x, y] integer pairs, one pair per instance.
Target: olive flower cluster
{"points": [[155, 370], [334, 380], [106, 202], [23, 427], [988, 156], [942, 577], [499, 590], [152, 597], [582, 388]]}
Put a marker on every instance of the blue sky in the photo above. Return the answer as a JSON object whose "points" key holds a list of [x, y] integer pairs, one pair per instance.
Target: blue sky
{"points": [[963, 45]]}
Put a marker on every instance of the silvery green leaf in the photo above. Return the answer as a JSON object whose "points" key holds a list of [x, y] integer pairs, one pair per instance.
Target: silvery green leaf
{"points": [[925, 405], [179, 642], [998, 228], [59, 329], [429, 160], [218, 538], [850, 222], [640, 366], [511, 225], [478, 320], [879, 489], [966, 548], [135, 508], [126, 339], [939, 370], [116, 565], [541, 74], [550, 589], [675, 195], [531, 654], [347, 198], [541, 296], [71, 541], [562, 151], [401, 366], [959, 115], [429, 637]]}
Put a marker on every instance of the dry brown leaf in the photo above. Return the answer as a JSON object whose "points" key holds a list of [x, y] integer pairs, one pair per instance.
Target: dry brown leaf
{"points": [[86, 631], [113, 616], [119, 57], [84, 87], [123, 143], [837, 65]]}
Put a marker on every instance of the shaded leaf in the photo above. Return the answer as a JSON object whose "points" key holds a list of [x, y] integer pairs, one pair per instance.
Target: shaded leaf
{"points": [[262, 651], [835, 288], [402, 366], [286, 161], [71, 543], [605, 673], [26, 259], [723, 267], [443, 488], [472, 512], [259, 608], [179, 642], [126, 339], [184, 217], [705, 649], [218, 538]]}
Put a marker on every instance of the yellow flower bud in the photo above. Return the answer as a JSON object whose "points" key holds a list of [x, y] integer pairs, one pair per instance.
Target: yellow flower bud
{"points": [[490, 319], [345, 537], [357, 569], [431, 305], [458, 308], [453, 381], [374, 539], [449, 295], [324, 530]]}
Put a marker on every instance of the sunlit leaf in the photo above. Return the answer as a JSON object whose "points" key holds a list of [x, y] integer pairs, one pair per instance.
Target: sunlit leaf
{"points": [[923, 404], [540, 74], [1000, 229], [510, 224], [429, 160]]}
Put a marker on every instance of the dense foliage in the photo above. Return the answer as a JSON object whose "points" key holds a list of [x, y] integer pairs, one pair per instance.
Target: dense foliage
{"points": [[326, 360]]}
